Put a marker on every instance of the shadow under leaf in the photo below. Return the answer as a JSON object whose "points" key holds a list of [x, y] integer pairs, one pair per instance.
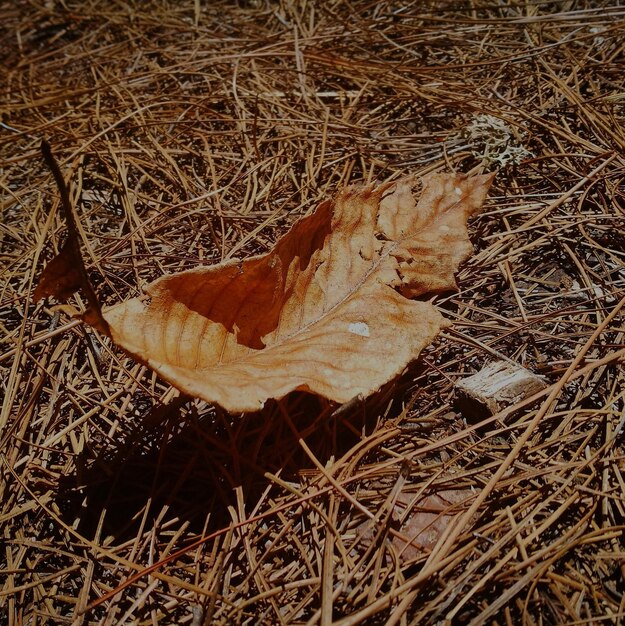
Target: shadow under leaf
{"points": [[185, 461]]}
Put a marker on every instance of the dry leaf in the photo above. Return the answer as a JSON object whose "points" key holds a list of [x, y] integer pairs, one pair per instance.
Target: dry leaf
{"points": [[328, 310], [62, 276], [416, 522], [426, 520], [65, 274]]}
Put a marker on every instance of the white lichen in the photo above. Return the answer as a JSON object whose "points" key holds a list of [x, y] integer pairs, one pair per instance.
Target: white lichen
{"points": [[489, 138]]}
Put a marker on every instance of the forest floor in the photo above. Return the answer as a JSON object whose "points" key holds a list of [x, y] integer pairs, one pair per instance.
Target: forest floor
{"points": [[195, 132]]}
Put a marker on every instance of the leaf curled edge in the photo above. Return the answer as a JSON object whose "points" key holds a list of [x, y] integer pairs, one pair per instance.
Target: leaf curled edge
{"points": [[329, 310]]}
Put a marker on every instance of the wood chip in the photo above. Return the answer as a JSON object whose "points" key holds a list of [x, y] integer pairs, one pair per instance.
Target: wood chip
{"points": [[498, 385]]}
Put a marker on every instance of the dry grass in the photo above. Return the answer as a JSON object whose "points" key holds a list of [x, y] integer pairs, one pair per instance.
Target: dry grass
{"points": [[193, 132]]}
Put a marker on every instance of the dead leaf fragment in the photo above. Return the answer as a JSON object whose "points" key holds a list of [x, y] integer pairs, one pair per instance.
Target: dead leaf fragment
{"points": [[417, 521], [426, 519], [65, 274], [326, 311], [61, 277]]}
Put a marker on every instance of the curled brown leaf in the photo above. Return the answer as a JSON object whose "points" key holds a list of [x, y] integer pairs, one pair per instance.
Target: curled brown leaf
{"points": [[329, 310]]}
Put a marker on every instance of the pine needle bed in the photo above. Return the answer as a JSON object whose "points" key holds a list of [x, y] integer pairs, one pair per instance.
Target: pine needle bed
{"points": [[192, 133]]}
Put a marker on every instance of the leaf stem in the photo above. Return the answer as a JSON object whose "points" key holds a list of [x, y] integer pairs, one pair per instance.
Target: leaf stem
{"points": [[94, 313]]}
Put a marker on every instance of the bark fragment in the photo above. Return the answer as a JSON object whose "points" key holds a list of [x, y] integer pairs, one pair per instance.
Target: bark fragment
{"points": [[496, 386]]}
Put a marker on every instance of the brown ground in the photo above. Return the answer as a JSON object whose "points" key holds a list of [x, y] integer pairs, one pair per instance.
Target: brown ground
{"points": [[191, 133]]}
